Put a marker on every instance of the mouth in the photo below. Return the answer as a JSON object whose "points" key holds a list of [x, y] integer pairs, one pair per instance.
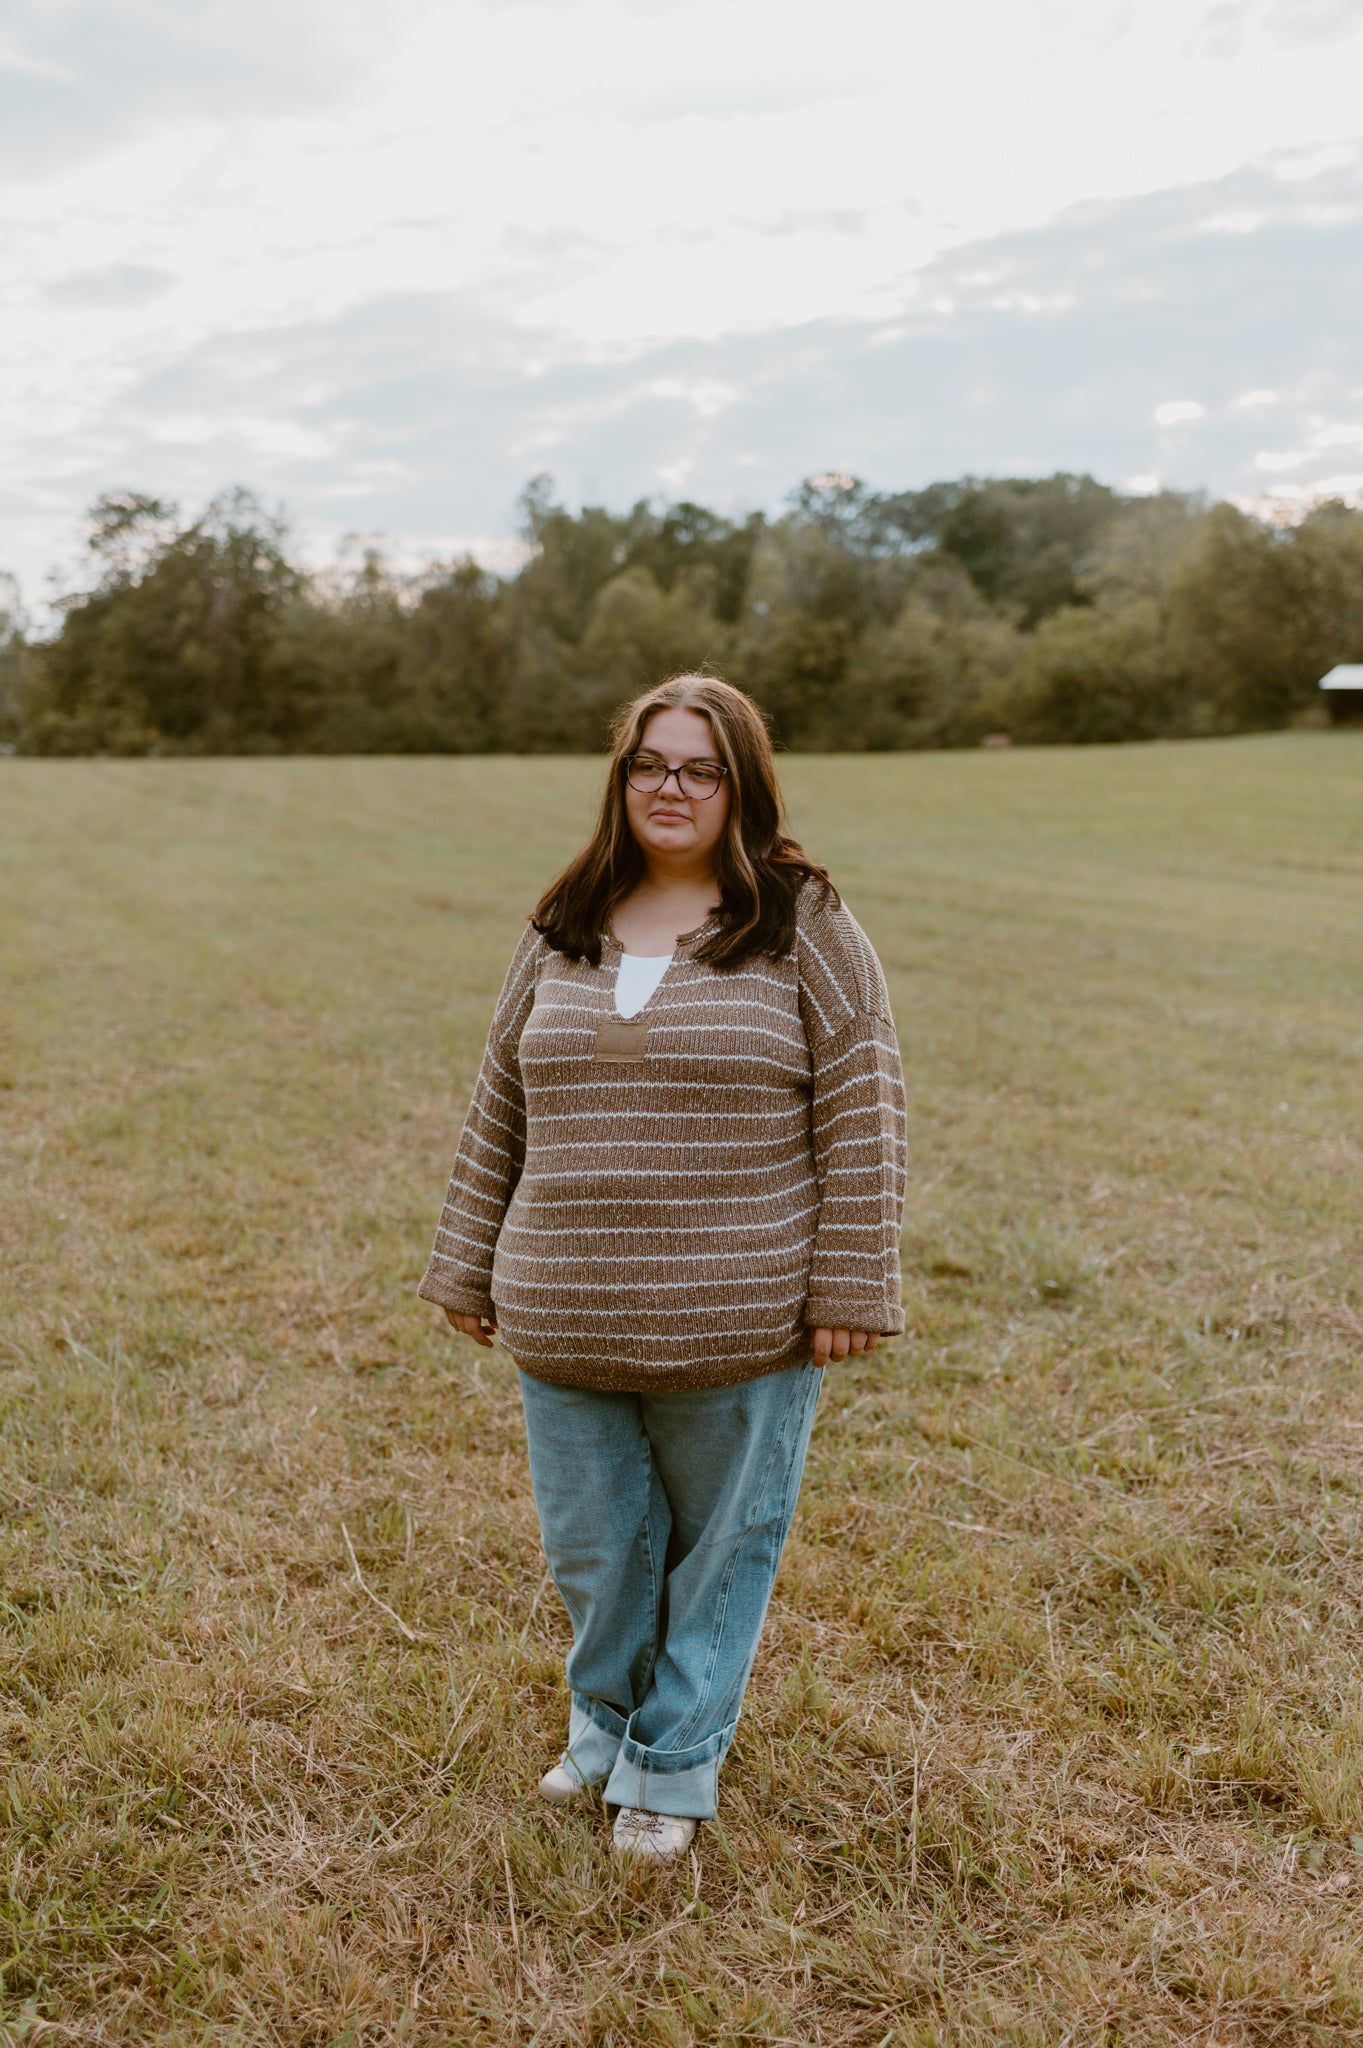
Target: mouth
{"points": [[669, 818]]}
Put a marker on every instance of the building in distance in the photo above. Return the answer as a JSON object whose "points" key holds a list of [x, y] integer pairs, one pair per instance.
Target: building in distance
{"points": [[1344, 685]]}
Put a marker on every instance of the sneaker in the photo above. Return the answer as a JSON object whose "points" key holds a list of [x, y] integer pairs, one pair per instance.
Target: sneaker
{"points": [[562, 1786], [657, 1836]]}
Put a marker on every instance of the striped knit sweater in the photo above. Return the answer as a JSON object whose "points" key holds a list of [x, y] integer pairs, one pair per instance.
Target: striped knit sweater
{"points": [[677, 1200]]}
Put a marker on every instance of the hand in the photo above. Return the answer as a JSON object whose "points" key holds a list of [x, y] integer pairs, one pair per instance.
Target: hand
{"points": [[481, 1328], [837, 1343]]}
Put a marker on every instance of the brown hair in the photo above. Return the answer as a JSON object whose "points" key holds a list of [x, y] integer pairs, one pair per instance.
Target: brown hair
{"points": [[760, 868]]}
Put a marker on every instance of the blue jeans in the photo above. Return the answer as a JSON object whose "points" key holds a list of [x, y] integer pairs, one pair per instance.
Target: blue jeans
{"points": [[663, 1518]]}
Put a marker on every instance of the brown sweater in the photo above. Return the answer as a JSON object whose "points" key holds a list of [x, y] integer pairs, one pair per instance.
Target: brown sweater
{"points": [[678, 1199]]}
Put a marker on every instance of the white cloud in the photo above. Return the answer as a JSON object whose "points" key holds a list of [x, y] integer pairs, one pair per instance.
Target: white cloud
{"points": [[706, 396], [244, 432], [1296, 164], [1174, 412], [1322, 438], [1336, 434], [1288, 458]]}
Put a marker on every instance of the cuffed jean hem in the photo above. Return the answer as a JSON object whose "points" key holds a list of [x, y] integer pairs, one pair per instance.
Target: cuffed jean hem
{"points": [[602, 1754], [682, 1782], [594, 1737]]}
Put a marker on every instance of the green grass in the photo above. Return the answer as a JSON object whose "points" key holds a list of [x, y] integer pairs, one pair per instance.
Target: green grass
{"points": [[1057, 1732]]}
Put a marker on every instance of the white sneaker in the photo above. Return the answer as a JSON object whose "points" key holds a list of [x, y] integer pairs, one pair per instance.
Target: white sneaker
{"points": [[655, 1835], [562, 1786]]}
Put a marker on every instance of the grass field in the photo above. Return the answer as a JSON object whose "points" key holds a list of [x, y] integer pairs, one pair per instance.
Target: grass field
{"points": [[1057, 1732]]}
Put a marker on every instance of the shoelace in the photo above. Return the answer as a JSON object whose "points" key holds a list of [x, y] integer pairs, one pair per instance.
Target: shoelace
{"points": [[665, 1828], [637, 1820]]}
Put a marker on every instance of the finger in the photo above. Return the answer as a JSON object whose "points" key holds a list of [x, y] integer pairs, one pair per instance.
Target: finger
{"points": [[454, 1319], [872, 1339], [823, 1341], [841, 1339], [856, 1340]]}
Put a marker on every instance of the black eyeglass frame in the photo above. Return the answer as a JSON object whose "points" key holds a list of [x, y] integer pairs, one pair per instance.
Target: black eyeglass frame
{"points": [[715, 768]]}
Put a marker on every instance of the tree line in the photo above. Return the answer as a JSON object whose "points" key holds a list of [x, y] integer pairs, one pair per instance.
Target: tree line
{"points": [[1050, 609]]}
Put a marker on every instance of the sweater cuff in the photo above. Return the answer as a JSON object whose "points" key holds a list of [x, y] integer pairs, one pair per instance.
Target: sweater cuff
{"points": [[845, 1312], [465, 1301]]}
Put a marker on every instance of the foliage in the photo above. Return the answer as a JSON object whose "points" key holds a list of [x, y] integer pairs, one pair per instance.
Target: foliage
{"points": [[1268, 612], [16, 663], [1048, 609], [177, 644], [1097, 674]]}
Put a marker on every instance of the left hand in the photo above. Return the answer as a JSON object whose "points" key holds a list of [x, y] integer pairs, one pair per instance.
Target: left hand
{"points": [[837, 1343], [482, 1329]]}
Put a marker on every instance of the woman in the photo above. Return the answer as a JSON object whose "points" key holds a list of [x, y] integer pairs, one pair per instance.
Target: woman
{"points": [[677, 1196]]}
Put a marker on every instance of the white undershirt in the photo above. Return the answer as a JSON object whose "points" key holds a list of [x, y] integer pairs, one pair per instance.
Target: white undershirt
{"points": [[637, 978]]}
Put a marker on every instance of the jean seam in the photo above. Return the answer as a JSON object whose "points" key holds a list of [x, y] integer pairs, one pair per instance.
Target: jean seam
{"points": [[650, 1551], [797, 1393], [787, 1504], [797, 1397]]}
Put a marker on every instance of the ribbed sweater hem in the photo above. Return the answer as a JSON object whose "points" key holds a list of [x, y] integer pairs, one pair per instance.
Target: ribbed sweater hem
{"points": [[665, 1379]]}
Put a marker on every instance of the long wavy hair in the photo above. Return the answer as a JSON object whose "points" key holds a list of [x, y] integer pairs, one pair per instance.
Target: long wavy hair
{"points": [[760, 868]]}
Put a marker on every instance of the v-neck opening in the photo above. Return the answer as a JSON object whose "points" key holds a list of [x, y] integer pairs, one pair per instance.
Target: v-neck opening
{"points": [[632, 1016], [681, 950]]}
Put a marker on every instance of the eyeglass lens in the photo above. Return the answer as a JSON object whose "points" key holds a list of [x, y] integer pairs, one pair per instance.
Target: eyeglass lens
{"points": [[647, 774]]}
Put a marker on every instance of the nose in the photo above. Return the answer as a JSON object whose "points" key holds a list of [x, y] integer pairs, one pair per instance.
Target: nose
{"points": [[662, 786]]}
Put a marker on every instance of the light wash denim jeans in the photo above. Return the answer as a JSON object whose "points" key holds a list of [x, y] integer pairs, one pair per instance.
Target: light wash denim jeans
{"points": [[663, 1518]]}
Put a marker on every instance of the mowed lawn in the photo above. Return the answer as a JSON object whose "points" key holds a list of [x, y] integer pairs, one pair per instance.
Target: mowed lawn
{"points": [[1057, 1731]]}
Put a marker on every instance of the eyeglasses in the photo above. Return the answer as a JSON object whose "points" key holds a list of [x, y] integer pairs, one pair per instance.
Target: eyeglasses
{"points": [[648, 773]]}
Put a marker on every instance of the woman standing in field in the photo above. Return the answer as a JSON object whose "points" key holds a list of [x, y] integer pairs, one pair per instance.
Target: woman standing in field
{"points": [[677, 1196]]}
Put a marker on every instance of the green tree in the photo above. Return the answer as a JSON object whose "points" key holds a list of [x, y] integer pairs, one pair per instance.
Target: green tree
{"points": [[933, 676], [809, 599], [1092, 675], [336, 656], [638, 633], [16, 662], [686, 542], [173, 646], [1140, 553], [1263, 612], [458, 659], [1025, 542], [569, 556]]}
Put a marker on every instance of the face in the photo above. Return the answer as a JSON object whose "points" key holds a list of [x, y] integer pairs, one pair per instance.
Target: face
{"points": [[671, 828]]}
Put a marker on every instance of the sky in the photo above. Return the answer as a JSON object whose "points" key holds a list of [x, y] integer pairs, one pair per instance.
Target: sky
{"points": [[384, 265]]}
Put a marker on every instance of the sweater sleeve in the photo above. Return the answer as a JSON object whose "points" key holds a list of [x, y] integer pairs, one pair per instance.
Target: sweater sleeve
{"points": [[491, 1153], [857, 1121]]}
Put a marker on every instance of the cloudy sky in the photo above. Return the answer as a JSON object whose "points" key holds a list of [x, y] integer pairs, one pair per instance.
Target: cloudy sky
{"points": [[384, 264]]}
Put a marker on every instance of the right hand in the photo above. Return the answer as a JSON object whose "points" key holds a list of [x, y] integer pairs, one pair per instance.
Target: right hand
{"points": [[480, 1328], [837, 1343]]}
